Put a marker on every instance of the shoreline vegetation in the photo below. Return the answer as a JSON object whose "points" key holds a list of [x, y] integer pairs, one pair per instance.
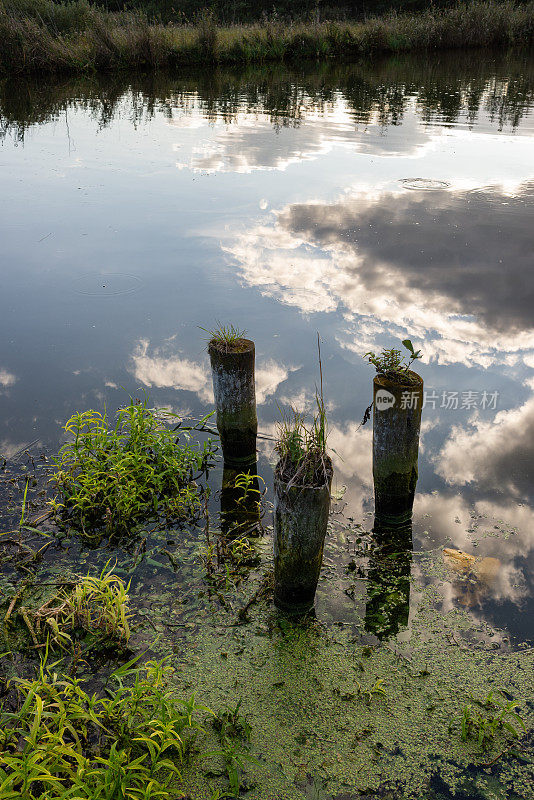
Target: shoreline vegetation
{"points": [[76, 37]]}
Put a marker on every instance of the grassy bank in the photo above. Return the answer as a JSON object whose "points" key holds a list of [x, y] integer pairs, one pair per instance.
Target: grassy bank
{"points": [[39, 35]]}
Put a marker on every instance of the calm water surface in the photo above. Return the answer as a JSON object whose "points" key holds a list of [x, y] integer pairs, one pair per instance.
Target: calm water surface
{"points": [[369, 204]]}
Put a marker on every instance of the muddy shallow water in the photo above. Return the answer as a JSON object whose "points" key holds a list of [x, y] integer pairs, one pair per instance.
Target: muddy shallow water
{"points": [[367, 203]]}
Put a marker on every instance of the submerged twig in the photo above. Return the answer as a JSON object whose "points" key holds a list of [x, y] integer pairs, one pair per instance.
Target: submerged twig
{"points": [[14, 601], [171, 558], [24, 614]]}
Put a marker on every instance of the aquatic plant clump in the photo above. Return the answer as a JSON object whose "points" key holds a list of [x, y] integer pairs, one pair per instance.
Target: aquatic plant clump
{"points": [[96, 604], [484, 719], [62, 742], [115, 477]]}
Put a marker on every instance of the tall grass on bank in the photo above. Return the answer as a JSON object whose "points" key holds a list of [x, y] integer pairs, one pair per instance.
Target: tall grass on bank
{"points": [[40, 35]]}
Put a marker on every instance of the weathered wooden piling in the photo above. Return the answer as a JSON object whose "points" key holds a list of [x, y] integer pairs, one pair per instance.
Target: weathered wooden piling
{"points": [[397, 406], [232, 367], [300, 524]]}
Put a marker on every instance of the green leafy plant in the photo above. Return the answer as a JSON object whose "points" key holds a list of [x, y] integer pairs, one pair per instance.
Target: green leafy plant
{"points": [[484, 719], [234, 732], [230, 723], [367, 694], [243, 552], [227, 562], [114, 477], [376, 690], [62, 742], [97, 605], [392, 364], [241, 504], [248, 484]]}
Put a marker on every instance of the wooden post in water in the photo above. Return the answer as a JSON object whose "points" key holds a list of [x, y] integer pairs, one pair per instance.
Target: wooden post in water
{"points": [[397, 410], [300, 524], [232, 367]]}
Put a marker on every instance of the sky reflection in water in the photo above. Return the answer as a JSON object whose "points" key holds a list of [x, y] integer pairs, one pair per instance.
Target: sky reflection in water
{"points": [[132, 214]]}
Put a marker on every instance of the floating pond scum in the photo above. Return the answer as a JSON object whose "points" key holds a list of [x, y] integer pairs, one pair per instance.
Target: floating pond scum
{"points": [[232, 364]]}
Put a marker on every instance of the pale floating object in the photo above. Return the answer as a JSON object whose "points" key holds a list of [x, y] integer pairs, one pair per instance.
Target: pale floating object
{"points": [[458, 560], [486, 570]]}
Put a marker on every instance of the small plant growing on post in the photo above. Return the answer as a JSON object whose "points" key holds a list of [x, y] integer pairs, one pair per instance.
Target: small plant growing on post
{"points": [[302, 482], [227, 336], [232, 359], [397, 406], [391, 364]]}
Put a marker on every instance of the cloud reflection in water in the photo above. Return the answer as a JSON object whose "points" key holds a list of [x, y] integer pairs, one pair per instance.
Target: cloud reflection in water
{"points": [[453, 268]]}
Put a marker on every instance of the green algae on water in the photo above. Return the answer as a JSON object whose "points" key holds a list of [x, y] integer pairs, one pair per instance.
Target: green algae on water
{"points": [[306, 694]]}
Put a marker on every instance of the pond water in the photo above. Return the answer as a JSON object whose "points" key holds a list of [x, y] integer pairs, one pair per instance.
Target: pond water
{"points": [[371, 204]]}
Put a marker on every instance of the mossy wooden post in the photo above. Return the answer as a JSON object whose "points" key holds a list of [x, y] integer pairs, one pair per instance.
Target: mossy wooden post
{"points": [[240, 507], [300, 523], [397, 410], [235, 399]]}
